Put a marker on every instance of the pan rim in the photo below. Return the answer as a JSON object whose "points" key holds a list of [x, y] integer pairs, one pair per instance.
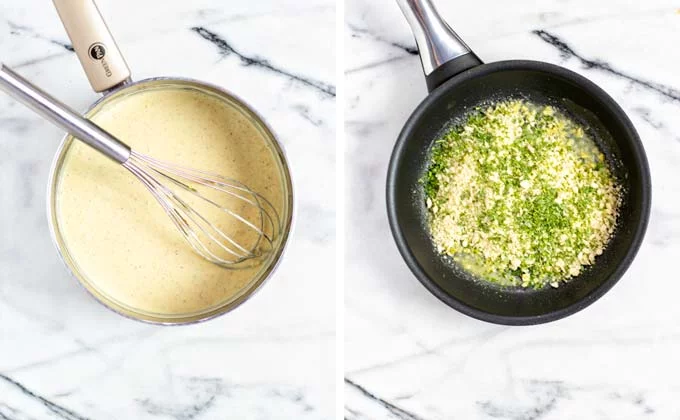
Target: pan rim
{"points": [[640, 159]]}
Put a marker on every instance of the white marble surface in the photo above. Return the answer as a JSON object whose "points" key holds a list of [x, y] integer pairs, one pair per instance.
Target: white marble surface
{"points": [[62, 355], [407, 355]]}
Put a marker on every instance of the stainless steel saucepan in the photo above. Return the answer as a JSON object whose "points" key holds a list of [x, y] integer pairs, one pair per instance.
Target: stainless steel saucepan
{"points": [[109, 74]]}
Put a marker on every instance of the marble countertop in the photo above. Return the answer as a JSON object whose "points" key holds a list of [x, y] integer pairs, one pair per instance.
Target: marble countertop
{"points": [[409, 356], [64, 356]]}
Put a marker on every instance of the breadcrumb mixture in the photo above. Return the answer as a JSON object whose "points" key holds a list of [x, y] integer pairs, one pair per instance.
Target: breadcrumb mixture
{"points": [[520, 195]]}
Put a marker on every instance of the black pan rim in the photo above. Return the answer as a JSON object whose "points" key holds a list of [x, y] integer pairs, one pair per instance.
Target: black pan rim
{"points": [[640, 160]]}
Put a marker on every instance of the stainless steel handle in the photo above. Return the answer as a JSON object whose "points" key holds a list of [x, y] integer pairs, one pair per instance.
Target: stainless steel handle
{"points": [[63, 116], [436, 41]]}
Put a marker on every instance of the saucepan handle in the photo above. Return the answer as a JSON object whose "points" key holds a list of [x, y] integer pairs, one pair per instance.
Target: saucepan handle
{"points": [[93, 43], [442, 52]]}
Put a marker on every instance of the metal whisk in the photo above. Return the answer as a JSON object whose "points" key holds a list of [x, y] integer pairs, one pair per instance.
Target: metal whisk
{"points": [[256, 216]]}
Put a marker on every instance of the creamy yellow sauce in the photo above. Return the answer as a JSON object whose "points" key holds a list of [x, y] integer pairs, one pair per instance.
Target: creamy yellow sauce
{"points": [[118, 235]]}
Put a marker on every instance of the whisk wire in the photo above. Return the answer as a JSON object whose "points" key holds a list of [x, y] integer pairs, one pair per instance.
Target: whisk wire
{"points": [[158, 190], [166, 198], [216, 182], [202, 235]]}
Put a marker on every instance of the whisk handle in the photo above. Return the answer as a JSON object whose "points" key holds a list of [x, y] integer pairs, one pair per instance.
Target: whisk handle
{"points": [[62, 115]]}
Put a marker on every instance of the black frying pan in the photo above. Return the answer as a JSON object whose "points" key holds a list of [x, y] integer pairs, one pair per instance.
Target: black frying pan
{"points": [[458, 81]]}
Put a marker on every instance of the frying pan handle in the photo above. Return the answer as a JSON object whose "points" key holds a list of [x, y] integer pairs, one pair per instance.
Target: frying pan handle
{"points": [[96, 49], [443, 53]]}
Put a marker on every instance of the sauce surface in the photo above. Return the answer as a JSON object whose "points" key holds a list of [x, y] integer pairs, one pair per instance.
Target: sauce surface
{"points": [[119, 236]]}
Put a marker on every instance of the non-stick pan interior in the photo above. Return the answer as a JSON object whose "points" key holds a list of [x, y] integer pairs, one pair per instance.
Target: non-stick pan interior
{"points": [[536, 82]]}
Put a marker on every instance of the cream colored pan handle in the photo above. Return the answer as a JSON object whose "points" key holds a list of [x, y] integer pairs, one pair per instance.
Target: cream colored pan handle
{"points": [[97, 51]]}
